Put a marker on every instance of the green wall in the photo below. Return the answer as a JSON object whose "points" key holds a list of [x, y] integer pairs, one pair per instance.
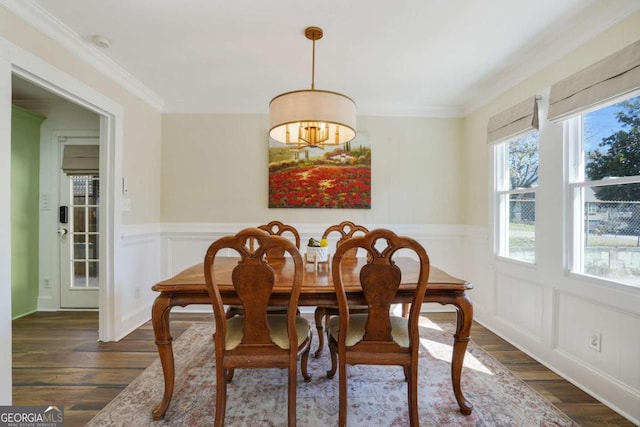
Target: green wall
{"points": [[25, 190]]}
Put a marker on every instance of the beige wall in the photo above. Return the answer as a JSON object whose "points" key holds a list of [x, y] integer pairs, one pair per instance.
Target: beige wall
{"points": [[214, 169]]}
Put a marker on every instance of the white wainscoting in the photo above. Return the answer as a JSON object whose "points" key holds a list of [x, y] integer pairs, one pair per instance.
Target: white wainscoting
{"points": [[551, 316], [136, 270], [519, 302]]}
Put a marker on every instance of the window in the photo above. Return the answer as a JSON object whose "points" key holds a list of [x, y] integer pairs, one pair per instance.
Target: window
{"points": [[516, 177], [83, 226], [604, 192]]}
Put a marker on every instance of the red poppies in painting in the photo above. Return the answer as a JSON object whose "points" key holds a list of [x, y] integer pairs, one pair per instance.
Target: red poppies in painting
{"points": [[320, 186]]}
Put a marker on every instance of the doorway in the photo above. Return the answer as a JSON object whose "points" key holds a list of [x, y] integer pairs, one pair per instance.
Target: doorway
{"points": [[69, 253]]}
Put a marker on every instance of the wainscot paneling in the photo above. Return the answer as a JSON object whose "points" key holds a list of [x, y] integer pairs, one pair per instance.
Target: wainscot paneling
{"points": [[136, 269], [478, 269], [581, 319], [552, 316], [519, 303]]}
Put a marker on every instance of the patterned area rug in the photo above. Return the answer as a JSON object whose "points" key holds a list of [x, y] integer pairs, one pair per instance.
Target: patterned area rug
{"points": [[376, 395]]}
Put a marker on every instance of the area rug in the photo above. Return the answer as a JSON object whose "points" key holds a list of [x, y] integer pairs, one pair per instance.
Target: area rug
{"points": [[376, 395]]}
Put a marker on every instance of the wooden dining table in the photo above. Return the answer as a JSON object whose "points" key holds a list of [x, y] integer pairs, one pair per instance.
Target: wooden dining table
{"points": [[189, 287]]}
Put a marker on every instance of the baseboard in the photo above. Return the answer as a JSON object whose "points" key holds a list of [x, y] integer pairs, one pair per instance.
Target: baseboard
{"points": [[24, 314]]}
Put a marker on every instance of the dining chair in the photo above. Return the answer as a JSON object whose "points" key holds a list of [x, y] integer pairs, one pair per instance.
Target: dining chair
{"points": [[257, 338], [377, 337], [347, 230], [275, 228], [278, 228]]}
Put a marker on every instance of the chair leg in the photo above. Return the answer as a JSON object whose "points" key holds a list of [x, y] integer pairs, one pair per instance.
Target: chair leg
{"points": [[303, 363], [412, 396], [334, 360], [319, 314], [292, 396], [405, 310], [342, 395], [221, 397], [229, 375]]}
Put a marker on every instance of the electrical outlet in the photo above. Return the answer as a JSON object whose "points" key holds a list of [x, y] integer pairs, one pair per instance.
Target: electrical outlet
{"points": [[136, 293], [47, 282], [595, 341]]}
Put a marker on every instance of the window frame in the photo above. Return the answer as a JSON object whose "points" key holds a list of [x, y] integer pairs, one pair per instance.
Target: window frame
{"points": [[501, 195], [575, 186]]}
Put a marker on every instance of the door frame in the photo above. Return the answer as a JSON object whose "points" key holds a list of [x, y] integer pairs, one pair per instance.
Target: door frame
{"points": [[38, 72]]}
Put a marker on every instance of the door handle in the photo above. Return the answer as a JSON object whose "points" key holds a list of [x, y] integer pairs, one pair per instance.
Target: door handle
{"points": [[62, 231], [63, 215]]}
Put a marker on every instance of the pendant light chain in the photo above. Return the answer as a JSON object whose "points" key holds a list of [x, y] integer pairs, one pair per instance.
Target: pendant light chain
{"points": [[313, 34]]}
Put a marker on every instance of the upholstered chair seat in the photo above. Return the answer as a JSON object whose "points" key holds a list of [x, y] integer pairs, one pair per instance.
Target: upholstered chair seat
{"points": [[277, 327], [356, 331]]}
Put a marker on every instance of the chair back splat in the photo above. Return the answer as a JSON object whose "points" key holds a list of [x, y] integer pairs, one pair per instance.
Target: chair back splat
{"points": [[257, 338]]}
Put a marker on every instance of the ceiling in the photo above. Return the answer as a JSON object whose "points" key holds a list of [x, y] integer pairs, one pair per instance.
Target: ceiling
{"points": [[406, 57]]}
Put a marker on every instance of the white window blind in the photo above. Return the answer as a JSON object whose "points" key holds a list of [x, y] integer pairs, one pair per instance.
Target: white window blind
{"points": [[609, 78], [519, 119], [81, 159]]}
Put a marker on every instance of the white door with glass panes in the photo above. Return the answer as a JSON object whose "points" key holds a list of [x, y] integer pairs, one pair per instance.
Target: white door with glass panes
{"points": [[78, 219]]}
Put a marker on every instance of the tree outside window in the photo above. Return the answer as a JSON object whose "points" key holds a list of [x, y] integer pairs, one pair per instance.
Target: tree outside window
{"points": [[517, 183], [610, 193]]}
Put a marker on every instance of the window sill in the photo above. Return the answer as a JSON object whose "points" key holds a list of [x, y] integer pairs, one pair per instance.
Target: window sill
{"points": [[601, 281]]}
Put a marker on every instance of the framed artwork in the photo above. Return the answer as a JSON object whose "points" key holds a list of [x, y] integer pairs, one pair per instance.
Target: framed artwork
{"points": [[337, 177]]}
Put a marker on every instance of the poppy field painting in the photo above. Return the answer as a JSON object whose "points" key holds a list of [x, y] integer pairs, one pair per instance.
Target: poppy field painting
{"points": [[310, 177]]}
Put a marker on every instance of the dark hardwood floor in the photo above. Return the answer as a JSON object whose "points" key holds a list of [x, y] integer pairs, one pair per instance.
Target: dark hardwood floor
{"points": [[58, 360]]}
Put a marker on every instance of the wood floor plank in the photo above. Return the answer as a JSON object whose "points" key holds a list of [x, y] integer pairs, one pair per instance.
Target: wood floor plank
{"points": [[593, 415], [133, 345], [85, 359], [74, 376], [532, 371], [561, 391]]}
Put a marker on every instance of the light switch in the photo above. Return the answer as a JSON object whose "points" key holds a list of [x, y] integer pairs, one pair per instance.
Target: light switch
{"points": [[44, 202]]}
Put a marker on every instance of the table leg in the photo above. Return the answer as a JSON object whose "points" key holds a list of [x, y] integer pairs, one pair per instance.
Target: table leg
{"points": [[464, 309], [160, 320]]}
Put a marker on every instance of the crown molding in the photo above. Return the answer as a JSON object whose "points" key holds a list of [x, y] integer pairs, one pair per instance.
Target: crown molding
{"points": [[53, 28]]}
